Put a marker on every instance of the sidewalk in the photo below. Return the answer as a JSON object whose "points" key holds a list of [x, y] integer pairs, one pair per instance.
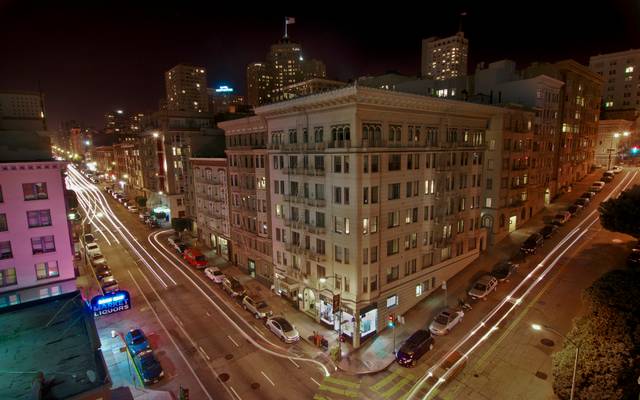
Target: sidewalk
{"points": [[378, 353]]}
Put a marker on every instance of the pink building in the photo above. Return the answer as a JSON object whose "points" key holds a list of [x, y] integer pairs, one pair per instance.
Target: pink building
{"points": [[36, 256]]}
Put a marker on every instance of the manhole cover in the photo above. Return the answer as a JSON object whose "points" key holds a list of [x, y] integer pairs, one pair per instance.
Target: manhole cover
{"points": [[541, 375], [547, 342], [476, 375], [229, 356], [223, 377], [255, 385]]}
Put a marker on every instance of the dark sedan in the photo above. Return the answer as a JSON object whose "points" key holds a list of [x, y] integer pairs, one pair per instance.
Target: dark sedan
{"points": [[549, 230]]}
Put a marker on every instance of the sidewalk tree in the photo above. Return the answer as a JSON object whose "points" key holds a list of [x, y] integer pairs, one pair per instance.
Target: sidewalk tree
{"points": [[609, 339], [180, 224], [142, 201], [622, 214]]}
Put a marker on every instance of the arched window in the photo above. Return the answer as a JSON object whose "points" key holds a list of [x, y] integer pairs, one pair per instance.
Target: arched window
{"points": [[365, 132], [334, 134], [392, 133], [347, 133]]}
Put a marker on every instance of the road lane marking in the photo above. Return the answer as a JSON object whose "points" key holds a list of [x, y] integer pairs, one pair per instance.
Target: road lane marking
{"points": [[236, 393], [316, 382], [294, 363], [205, 353], [208, 315], [234, 342], [265, 375]]}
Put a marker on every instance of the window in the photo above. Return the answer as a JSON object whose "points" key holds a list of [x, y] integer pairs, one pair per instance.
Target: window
{"points": [[395, 162], [337, 253], [365, 164], [365, 195], [419, 289], [337, 164], [365, 226], [320, 249], [5, 250], [394, 191], [8, 277], [375, 162], [374, 195], [374, 224], [322, 272], [393, 273], [393, 247], [392, 301], [374, 283], [35, 191], [365, 284], [39, 218], [43, 244], [337, 195], [393, 219], [47, 270], [3, 223], [374, 254], [1, 198]]}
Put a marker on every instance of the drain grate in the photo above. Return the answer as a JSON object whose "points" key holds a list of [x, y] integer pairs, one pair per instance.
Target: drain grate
{"points": [[228, 356], [541, 375], [547, 342], [223, 377], [255, 386]]}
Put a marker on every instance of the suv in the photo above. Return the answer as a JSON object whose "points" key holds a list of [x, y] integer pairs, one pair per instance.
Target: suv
{"points": [[548, 230], [148, 367], [483, 287], [532, 243], [258, 308], [109, 284], [575, 209], [92, 248], [561, 218], [232, 286], [414, 348]]}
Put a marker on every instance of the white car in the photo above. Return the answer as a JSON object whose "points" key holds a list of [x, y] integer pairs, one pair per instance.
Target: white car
{"points": [[596, 186], [616, 169], [445, 321], [483, 287], [214, 274], [283, 329], [132, 209], [97, 259], [259, 308], [92, 248]]}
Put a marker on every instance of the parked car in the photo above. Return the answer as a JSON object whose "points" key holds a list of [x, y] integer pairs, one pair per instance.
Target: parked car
{"points": [[195, 258], [109, 284], [606, 178], [180, 248], [88, 238], [414, 348], [148, 367], [283, 329], [143, 215], [616, 169], [258, 308], [445, 321], [530, 246], [102, 272], [92, 248], [582, 202], [97, 259], [232, 286], [176, 242], [588, 195], [503, 270], [214, 274], [152, 223], [483, 287], [575, 209], [561, 218], [132, 209], [136, 341], [548, 230], [596, 186]]}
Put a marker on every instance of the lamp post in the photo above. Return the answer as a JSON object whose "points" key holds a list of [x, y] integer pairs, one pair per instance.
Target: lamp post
{"points": [[611, 149], [324, 280], [538, 327]]}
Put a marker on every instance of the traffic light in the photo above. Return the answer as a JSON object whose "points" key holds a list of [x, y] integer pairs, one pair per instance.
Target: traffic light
{"points": [[391, 321], [184, 393], [635, 150]]}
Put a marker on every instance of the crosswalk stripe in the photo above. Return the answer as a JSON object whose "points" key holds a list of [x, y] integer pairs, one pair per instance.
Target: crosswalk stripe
{"points": [[342, 392], [318, 397], [395, 388], [385, 381], [342, 382]]}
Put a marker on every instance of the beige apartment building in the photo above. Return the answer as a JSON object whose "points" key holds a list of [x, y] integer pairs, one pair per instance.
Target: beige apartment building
{"points": [[246, 150], [445, 58], [212, 203], [375, 196]]}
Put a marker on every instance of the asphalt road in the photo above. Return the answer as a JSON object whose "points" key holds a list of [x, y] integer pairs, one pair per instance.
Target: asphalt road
{"points": [[224, 349]]}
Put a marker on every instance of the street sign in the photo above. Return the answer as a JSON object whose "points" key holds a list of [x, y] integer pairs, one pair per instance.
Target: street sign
{"points": [[110, 303], [336, 302]]}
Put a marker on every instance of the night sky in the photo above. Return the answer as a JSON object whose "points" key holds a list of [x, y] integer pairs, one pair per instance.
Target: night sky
{"points": [[91, 59]]}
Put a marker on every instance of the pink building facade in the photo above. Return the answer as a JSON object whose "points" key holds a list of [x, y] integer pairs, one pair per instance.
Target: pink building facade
{"points": [[36, 248]]}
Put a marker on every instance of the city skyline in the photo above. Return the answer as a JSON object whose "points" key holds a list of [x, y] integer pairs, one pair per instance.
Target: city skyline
{"points": [[136, 53]]}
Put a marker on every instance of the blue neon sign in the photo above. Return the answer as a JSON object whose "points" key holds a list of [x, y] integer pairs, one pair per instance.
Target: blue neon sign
{"points": [[110, 303], [224, 89]]}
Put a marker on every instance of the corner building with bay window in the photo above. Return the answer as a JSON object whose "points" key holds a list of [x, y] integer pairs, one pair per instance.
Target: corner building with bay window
{"points": [[373, 195]]}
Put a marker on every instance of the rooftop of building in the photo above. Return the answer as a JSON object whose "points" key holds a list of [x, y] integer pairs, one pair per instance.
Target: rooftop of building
{"points": [[624, 53], [56, 336], [17, 145], [21, 92]]}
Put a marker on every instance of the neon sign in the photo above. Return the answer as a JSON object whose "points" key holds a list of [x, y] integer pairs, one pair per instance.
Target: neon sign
{"points": [[224, 89], [110, 303]]}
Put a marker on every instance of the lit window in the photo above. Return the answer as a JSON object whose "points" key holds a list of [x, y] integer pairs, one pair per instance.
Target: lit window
{"points": [[419, 289], [628, 70]]}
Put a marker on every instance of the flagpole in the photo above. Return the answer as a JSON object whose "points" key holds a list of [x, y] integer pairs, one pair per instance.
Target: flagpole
{"points": [[285, 27]]}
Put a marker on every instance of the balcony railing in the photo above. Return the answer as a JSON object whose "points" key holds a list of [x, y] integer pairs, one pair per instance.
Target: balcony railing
{"points": [[315, 202], [317, 257], [315, 229]]}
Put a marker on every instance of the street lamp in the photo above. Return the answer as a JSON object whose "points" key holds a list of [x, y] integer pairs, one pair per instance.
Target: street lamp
{"points": [[611, 149], [323, 280], [538, 327]]}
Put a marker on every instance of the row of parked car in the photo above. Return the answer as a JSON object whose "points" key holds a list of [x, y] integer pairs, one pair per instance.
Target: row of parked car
{"points": [[98, 262], [122, 199], [259, 308], [143, 357], [536, 240]]}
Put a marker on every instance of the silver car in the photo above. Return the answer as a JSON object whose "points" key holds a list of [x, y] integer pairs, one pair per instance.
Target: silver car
{"points": [[445, 321], [283, 329], [483, 287]]}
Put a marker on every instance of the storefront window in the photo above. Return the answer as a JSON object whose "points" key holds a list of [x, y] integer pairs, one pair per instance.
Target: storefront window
{"points": [[347, 324], [326, 311], [368, 322], [224, 246]]}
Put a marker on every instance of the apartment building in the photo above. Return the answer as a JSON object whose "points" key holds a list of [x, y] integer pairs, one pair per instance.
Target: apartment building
{"points": [[212, 204], [36, 253], [620, 72], [375, 196], [613, 142], [445, 58], [246, 150]]}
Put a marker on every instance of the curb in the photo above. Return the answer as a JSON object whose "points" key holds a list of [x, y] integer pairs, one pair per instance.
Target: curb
{"points": [[368, 372]]}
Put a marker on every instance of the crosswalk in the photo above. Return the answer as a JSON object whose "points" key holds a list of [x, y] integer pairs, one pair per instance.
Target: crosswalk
{"points": [[392, 385]]}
